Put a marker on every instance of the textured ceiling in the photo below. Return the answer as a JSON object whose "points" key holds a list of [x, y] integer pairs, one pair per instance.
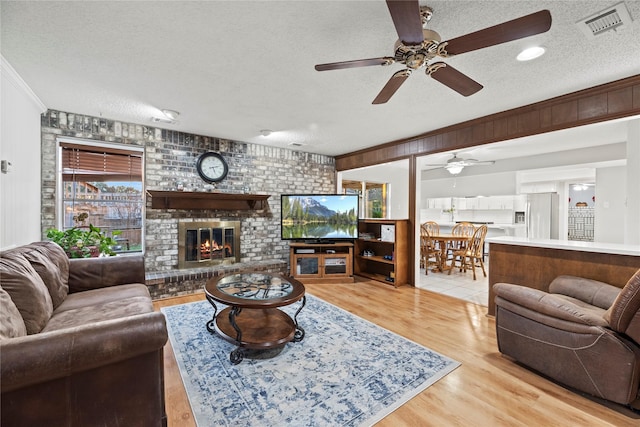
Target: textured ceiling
{"points": [[233, 68]]}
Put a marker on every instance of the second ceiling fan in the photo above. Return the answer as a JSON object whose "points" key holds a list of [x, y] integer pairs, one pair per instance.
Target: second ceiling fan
{"points": [[417, 46]]}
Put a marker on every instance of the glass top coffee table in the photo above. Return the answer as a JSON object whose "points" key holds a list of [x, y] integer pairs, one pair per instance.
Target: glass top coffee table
{"points": [[252, 320]]}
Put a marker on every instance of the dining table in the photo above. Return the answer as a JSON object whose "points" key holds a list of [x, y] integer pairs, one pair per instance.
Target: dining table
{"points": [[443, 239]]}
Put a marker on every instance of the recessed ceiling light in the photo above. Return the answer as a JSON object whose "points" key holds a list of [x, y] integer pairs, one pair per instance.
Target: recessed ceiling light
{"points": [[531, 53], [171, 114]]}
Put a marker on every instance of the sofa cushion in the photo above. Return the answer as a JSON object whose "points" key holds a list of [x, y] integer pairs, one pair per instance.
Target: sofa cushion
{"points": [[52, 264], [99, 305], [27, 291], [11, 323]]}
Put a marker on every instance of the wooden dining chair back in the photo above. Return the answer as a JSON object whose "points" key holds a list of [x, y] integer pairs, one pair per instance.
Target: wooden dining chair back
{"points": [[429, 254], [472, 256], [460, 229], [432, 227]]}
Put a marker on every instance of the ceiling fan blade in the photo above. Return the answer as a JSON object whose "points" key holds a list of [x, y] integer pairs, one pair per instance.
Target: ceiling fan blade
{"points": [[449, 76], [387, 60], [392, 86], [525, 26], [406, 19]]}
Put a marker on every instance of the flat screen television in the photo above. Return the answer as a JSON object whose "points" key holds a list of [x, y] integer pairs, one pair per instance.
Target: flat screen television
{"points": [[319, 217]]}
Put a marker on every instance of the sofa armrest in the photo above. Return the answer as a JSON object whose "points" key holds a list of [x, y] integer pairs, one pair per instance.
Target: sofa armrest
{"points": [[546, 308], [590, 291], [93, 273], [38, 358]]}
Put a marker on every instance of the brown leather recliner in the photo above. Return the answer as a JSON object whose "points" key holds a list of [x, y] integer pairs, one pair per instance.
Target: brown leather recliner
{"points": [[582, 333]]}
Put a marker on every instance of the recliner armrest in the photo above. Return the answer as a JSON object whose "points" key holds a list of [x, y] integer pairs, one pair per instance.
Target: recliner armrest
{"points": [[537, 302], [42, 357]]}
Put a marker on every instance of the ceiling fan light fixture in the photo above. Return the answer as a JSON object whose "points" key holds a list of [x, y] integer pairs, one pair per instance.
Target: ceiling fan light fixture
{"points": [[454, 169], [531, 53]]}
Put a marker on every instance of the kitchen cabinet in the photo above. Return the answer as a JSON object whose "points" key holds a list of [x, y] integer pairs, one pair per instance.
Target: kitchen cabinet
{"points": [[442, 203]]}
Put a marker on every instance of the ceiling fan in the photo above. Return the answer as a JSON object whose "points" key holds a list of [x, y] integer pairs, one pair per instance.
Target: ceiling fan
{"points": [[418, 45], [455, 164]]}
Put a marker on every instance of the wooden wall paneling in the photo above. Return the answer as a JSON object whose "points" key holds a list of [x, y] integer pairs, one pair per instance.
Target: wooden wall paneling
{"points": [[613, 100], [592, 106], [619, 100]]}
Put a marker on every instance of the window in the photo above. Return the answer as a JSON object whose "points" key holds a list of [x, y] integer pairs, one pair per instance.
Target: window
{"points": [[373, 197], [102, 185]]}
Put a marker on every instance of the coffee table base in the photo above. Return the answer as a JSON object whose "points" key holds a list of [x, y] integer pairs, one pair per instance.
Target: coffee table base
{"points": [[256, 329]]}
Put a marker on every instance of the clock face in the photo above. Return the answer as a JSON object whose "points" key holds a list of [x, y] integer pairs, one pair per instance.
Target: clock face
{"points": [[212, 167]]}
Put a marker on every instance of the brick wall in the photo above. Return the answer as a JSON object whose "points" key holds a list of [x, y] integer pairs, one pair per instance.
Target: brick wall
{"points": [[170, 158]]}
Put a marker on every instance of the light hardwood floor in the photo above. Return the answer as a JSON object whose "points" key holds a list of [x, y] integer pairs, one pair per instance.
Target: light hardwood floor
{"points": [[487, 390]]}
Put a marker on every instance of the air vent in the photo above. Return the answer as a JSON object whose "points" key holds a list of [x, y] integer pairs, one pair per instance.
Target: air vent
{"points": [[613, 18]]}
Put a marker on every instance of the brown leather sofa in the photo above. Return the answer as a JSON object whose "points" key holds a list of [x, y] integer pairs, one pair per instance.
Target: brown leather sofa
{"points": [[80, 343], [583, 333]]}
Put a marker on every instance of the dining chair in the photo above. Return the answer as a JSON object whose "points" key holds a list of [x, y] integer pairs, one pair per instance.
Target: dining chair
{"points": [[429, 253], [460, 229], [471, 256], [432, 227]]}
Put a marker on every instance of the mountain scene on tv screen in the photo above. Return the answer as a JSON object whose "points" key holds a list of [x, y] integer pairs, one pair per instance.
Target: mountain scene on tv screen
{"points": [[318, 217]]}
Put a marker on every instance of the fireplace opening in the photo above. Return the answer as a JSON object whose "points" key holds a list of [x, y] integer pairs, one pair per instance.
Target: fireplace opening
{"points": [[208, 243]]}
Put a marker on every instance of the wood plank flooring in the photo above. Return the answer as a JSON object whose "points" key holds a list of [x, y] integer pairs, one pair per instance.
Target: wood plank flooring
{"points": [[487, 390]]}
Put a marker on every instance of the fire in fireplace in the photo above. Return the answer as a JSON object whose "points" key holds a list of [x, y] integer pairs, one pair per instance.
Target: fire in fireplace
{"points": [[201, 244]]}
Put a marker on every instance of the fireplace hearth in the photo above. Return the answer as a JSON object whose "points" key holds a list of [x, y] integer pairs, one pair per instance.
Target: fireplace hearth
{"points": [[202, 244]]}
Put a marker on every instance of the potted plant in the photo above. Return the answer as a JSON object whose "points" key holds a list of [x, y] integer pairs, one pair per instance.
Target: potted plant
{"points": [[79, 242]]}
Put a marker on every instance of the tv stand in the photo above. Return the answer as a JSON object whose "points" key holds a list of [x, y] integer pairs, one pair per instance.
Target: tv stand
{"points": [[321, 262]]}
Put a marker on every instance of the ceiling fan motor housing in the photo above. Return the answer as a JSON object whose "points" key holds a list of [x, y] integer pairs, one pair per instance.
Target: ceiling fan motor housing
{"points": [[418, 55]]}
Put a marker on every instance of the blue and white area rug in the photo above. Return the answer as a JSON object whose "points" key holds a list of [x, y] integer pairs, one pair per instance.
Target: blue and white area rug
{"points": [[345, 372]]}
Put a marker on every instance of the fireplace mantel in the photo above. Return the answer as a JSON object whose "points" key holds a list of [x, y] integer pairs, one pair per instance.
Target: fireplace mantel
{"points": [[206, 200]]}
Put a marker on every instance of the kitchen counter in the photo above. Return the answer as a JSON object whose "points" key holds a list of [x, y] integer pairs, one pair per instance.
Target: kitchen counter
{"points": [[498, 226], [534, 263], [605, 248]]}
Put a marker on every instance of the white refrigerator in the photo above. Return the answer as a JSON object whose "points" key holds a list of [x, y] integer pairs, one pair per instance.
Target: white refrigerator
{"points": [[542, 216]]}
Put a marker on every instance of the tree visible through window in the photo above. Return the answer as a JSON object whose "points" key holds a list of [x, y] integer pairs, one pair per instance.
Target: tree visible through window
{"points": [[105, 183], [373, 197]]}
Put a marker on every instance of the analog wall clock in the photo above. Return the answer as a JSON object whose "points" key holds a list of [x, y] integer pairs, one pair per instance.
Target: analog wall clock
{"points": [[212, 167]]}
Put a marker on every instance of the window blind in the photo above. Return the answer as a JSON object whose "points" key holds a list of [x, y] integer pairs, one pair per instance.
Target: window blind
{"points": [[85, 163]]}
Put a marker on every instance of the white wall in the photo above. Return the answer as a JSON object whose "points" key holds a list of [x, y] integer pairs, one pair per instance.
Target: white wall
{"points": [[396, 174], [19, 144], [490, 184], [611, 190], [632, 234]]}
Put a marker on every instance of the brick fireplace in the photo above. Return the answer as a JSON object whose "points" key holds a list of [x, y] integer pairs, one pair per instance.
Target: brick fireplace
{"points": [[208, 243]]}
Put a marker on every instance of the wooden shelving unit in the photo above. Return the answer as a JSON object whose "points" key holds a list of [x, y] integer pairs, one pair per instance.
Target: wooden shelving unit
{"points": [[394, 269], [321, 262], [206, 200]]}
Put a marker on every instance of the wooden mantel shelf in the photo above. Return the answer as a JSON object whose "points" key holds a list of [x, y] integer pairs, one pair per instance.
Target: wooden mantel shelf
{"points": [[206, 200]]}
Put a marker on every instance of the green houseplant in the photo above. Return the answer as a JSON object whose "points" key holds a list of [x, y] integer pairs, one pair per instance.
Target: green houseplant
{"points": [[79, 242]]}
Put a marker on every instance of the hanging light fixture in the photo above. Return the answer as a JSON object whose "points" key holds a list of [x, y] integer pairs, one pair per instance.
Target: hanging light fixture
{"points": [[454, 169]]}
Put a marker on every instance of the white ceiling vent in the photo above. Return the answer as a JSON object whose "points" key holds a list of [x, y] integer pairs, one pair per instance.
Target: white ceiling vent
{"points": [[613, 18]]}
